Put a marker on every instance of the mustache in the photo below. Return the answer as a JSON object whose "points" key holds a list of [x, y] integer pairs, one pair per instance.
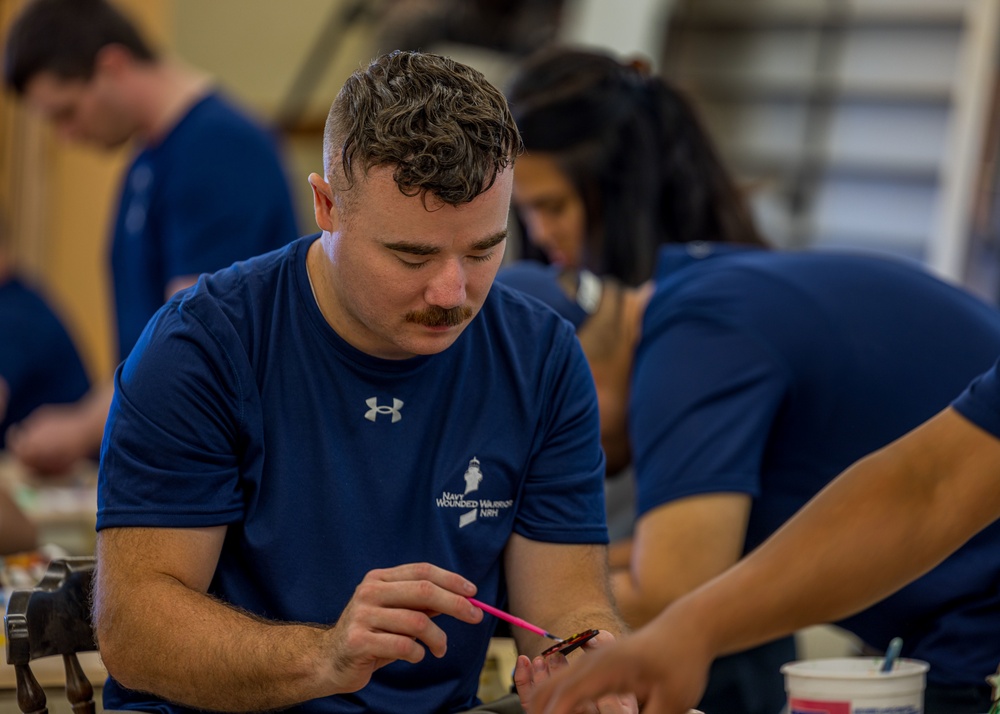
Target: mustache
{"points": [[439, 316]]}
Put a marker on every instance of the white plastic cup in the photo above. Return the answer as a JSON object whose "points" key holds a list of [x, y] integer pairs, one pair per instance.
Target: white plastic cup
{"points": [[854, 685]]}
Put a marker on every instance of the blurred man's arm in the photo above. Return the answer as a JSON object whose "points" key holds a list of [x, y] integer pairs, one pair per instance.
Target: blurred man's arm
{"points": [[54, 437], [887, 520], [677, 547], [620, 554]]}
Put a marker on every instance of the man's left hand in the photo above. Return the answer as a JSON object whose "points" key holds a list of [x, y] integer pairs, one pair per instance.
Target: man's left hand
{"points": [[529, 673]]}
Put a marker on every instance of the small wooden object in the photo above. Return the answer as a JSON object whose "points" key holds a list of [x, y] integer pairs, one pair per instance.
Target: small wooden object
{"points": [[51, 619]]}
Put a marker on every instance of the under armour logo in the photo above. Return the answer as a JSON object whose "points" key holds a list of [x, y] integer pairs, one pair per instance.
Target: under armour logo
{"points": [[374, 409]]}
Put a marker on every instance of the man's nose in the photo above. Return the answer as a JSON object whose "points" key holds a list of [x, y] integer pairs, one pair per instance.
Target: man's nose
{"points": [[447, 287]]}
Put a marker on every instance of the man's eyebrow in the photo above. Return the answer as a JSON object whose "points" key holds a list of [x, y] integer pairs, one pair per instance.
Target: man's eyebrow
{"points": [[487, 243], [424, 249]]}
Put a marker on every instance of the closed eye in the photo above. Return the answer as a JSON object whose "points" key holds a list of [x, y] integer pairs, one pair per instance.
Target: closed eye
{"points": [[412, 265]]}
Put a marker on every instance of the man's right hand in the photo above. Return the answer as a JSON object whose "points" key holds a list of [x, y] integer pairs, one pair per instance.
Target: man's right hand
{"points": [[390, 615]]}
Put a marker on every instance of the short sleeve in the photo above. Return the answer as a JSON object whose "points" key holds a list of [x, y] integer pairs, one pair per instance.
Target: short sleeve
{"points": [[563, 493], [704, 397], [172, 439]]}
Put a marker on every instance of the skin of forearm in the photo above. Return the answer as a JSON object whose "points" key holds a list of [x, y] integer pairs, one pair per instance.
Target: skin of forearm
{"points": [[597, 618], [571, 623], [225, 660], [620, 554], [677, 547], [562, 589], [635, 609]]}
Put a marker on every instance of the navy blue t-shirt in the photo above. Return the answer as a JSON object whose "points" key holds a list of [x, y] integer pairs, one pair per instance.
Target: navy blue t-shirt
{"points": [[211, 192], [769, 373], [240, 406], [38, 360]]}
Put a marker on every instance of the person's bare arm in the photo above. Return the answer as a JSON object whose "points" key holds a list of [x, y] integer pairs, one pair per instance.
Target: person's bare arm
{"points": [[54, 437], [884, 522], [620, 554], [160, 632], [564, 589], [676, 548]]}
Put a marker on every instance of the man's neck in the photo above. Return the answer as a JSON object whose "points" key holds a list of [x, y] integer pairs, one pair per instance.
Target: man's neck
{"points": [[165, 92]]}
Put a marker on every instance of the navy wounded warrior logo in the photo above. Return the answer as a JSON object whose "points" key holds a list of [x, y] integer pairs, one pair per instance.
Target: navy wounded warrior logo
{"points": [[473, 508], [374, 409]]}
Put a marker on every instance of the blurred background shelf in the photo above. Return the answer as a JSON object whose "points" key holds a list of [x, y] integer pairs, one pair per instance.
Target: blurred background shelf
{"points": [[854, 123]]}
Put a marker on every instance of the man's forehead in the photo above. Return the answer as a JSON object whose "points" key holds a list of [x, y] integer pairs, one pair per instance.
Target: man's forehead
{"points": [[379, 181]]}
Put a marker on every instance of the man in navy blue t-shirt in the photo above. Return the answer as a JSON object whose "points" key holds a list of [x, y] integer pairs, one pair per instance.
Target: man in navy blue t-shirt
{"points": [[315, 456], [85, 68], [742, 381]]}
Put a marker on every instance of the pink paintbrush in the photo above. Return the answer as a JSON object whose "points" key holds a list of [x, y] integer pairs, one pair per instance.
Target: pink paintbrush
{"points": [[514, 620]]}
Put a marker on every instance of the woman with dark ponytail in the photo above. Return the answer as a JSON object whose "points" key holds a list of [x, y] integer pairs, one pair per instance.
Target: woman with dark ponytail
{"points": [[617, 164]]}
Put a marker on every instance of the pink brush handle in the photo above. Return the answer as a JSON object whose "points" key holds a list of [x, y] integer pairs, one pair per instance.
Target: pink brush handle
{"points": [[510, 618]]}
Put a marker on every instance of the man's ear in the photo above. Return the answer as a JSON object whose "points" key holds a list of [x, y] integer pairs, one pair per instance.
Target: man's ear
{"points": [[324, 207]]}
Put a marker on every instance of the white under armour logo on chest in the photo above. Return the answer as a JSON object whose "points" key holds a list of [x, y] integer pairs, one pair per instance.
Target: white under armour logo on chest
{"points": [[374, 409]]}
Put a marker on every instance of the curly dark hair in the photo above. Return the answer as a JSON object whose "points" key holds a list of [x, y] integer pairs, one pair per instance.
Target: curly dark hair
{"points": [[446, 130], [635, 150]]}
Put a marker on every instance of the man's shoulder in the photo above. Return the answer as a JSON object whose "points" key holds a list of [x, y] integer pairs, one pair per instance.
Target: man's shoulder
{"points": [[236, 295], [258, 273]]}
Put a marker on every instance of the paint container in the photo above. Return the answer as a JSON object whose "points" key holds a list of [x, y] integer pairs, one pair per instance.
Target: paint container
{"points": [[854, 685]]}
